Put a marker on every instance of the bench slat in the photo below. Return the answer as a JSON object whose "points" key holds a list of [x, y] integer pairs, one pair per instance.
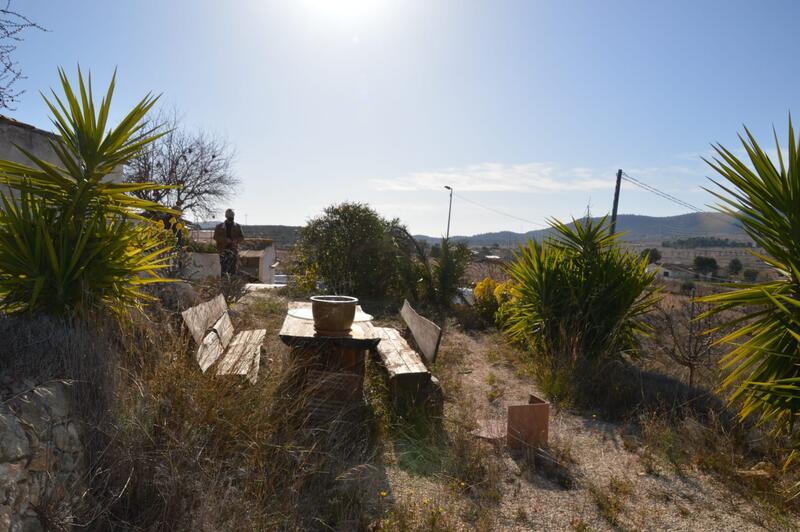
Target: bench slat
{"points": [[244, 355], [200, 318], [224, 329], [397, 355], [209, 351], [426, 333]]}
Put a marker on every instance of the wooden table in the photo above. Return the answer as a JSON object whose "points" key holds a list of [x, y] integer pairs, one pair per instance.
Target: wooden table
{"points": [[300, 333], [334, 364]]}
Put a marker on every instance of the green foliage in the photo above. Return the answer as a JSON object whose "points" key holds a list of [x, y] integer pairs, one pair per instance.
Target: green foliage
{"points": [[652, 254], [430, 283], [578, 296], [734, 267], [705, 242], [763, 367], [448, 270], [70, 240], [350, 246], [705, 265], [750, 275]]}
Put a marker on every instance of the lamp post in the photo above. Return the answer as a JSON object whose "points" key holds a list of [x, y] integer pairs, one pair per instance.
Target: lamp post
{"points": [[449, 210]]}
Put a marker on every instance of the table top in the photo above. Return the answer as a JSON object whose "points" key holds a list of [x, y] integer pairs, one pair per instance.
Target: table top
{"points": [[298, 332]]}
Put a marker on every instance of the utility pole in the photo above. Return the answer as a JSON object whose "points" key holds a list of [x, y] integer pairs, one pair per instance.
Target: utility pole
{"points": [[449, 210], [616, 202]]}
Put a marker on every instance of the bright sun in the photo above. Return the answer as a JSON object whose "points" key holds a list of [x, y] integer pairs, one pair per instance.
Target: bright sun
{"points": [[349, 11]]}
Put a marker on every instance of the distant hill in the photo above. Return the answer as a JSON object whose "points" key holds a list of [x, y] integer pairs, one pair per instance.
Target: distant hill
{"points": [[637, 228]]}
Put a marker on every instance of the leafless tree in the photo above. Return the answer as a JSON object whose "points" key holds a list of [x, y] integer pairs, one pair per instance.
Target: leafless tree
{"points": [[12, 26], [198, 165], [681, 333]]}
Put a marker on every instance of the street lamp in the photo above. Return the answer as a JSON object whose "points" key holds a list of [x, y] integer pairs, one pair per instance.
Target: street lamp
{"points": [[449, 209]]}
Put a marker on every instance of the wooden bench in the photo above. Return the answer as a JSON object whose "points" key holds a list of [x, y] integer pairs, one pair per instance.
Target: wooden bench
{"points": [[409, 377], [217, 345]]}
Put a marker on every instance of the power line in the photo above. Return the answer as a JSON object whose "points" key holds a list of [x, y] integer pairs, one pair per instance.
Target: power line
{"points": [[660, 193], [673, 199], [501, 213]]}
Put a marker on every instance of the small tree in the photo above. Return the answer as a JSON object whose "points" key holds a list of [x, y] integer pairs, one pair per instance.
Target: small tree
{"points": [[705, 265], [350, 246], [734, 267], [195, 168], [653, 255], [682, 336], [750, 275]]}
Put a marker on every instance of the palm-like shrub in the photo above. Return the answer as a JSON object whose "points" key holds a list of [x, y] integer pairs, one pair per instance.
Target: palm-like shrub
{"points": [[71, 241], [578, 296], [764, 364], [432, 283]]}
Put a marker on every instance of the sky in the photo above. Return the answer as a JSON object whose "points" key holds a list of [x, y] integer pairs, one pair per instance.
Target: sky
{"points": [[526, 108]]}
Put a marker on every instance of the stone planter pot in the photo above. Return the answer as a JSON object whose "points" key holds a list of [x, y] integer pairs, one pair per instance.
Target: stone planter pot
{"points": [[333, 315]]}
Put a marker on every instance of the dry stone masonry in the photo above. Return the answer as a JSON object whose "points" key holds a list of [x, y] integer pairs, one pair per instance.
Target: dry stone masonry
{"points": [[41, 456]]}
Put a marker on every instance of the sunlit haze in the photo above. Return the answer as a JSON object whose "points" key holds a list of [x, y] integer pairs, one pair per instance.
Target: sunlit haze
{"points": [[525, 107]]}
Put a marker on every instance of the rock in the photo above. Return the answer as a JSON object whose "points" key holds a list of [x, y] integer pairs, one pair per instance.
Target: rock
{"points": [[31, 524], [33, 413], [14, 443], [42, 459], [6, 512], [55, 398], [66, 437], [760, 479]]}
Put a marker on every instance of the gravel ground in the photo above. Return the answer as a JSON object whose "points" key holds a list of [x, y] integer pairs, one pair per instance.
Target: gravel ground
{"points": [[664, 500]]}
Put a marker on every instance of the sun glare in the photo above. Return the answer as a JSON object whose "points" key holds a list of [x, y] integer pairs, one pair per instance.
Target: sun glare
{"points": [[345, 11]]}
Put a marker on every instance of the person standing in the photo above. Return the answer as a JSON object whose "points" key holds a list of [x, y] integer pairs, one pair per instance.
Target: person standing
{"points": [[228, 235]]}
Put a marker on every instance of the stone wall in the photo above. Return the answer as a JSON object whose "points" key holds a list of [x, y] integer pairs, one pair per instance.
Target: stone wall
{"points": [[42, 466]]}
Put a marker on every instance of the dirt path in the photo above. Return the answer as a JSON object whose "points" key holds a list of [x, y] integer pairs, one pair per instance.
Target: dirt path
{"points": [[614, 486]]}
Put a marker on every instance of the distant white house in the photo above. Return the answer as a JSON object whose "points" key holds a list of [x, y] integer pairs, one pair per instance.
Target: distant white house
{"points": [[661, 271]]}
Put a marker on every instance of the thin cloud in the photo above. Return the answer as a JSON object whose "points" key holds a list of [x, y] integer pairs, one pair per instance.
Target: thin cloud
{"points": [[498, 177]]}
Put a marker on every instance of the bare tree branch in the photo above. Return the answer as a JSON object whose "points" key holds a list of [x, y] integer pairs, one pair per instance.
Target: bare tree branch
{"points": [[197, 164], [12, 26]]}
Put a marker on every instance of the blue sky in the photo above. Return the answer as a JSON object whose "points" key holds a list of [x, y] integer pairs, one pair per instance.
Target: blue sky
{"points": [[527, 107]]}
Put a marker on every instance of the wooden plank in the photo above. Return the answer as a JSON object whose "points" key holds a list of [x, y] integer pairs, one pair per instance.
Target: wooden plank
{"points": [[224, 329], [209, 351], [297, 332], [398, 357], [200, 318], [426, 333], [243, 355]]}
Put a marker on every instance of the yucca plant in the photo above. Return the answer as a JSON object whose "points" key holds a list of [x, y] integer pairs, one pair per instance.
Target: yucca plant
{"points": [[579, 295], [72, 241], [763, 367]]}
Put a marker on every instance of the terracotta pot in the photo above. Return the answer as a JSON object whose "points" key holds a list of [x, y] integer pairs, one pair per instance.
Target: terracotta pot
{"points": [[333, 315]]}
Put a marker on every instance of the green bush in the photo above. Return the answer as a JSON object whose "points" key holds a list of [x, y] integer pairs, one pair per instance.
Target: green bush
{"points": [[486, 304], [70, 240], [349, 248], [577, 300]]}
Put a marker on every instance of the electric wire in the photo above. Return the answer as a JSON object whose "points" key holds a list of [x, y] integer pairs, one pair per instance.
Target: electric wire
{"points": [[497, 211]]}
